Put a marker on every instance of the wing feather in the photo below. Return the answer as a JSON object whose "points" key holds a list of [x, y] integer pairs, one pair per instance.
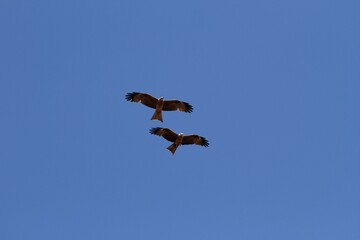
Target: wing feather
{"points": [[176, 105], [195, 139], [165, 133], [143, 98]]}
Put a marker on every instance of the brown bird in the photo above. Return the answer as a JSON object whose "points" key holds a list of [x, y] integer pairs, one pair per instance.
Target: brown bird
{"points": [[159, 104], [179, 139]]}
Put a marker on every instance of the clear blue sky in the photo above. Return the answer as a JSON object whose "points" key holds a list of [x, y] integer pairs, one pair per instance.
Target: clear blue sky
{"points": [[275, 87]]}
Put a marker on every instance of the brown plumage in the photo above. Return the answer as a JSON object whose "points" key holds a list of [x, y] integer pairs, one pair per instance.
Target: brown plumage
{"points": [[159, 104], [179, 139]]}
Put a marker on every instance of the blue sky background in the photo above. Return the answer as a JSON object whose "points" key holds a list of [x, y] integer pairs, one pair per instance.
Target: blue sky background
{"points": [[275, 87]]}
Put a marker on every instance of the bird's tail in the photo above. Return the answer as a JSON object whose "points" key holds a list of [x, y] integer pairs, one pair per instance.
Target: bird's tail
{"points": [[157, 115], [172, 148]]}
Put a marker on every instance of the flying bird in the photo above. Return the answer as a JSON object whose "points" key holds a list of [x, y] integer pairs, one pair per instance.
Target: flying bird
{"points": [[179, 139], [159, 104]]}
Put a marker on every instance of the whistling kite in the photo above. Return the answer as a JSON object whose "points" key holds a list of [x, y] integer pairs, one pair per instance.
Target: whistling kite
{"points": [[179, 139], [159, 104]]}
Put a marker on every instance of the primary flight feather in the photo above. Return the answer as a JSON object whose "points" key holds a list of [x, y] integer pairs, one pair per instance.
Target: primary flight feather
{"points": [[159, 104]]}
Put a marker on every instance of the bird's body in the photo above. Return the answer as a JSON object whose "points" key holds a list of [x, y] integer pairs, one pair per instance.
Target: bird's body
{"points": [[158, 110], [158, 104], [179, 139], [172, 148]]}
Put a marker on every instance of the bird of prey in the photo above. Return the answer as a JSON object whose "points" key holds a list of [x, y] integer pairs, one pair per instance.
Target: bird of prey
{"points": [[159, 104], [179, 139]]}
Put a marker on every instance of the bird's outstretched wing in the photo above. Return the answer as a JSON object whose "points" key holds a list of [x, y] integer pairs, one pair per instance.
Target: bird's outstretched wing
{"points": [[176, 105], [143, 98], [165, 133], [195, 139]]}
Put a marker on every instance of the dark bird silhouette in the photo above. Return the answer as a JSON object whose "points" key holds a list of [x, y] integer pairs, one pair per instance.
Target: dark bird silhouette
{"points": [[159, 104], [179, 139]]}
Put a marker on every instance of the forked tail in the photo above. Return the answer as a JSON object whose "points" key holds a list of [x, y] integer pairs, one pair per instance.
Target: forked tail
{"points": [[172, 148], [157, 115]]}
